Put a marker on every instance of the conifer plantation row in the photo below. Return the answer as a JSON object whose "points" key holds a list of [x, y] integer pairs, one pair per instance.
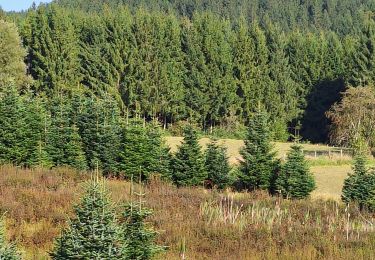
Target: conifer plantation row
{"points": [[87, 133]]}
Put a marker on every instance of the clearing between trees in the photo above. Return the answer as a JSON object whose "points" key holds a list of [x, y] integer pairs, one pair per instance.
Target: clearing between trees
{"points": [[329, 173]]}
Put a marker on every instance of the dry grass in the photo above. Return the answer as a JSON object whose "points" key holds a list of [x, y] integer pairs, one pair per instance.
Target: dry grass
{"points": [[282, 149], [329, 181], [330, 173], [213, 225]]}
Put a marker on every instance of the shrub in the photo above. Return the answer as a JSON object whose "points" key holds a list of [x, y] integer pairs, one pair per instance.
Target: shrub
{"points": [[7, 251]]}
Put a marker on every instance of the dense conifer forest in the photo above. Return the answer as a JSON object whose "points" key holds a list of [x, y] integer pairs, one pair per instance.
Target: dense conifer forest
{"points": [[207, 62], [91, 87]]}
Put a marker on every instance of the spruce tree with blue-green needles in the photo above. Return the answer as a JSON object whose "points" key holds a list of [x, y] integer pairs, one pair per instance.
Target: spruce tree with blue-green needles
{"points": [[93, 233], [137, 236], [8, 251]]}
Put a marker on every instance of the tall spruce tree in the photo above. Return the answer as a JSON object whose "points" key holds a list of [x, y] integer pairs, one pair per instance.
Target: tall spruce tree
{"points": [[36, 118], [188, 163], [8, 251], [258, 165], [53, 50], [93, 233], [295, 180], [12, 54], [217, 165]]}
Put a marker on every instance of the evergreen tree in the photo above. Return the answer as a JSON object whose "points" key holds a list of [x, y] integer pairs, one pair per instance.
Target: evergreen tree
{"points": [[281, 93], [359, 187], [19, 128], [12, 54], [93, 233], [53, 53], [137, 237], [160, 153], [143, 152], [99, 126], [362, 58], [217, 165], [188, 163], [244, 67], [73, 150], [64, 144], [7, 251], [258, 165], [295, 180], [39, 125]]}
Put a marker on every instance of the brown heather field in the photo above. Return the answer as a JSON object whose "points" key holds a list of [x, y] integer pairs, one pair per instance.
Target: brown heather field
{"points": [[209, 224]]}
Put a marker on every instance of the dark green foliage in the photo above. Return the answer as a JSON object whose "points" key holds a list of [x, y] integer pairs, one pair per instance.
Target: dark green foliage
{"points": [[359, 187], [137, 237], [295, 180], [53, 49], [93, 233], [143, 152], [206, 62], [217, 165], [258, 164], [64, 144], [7, 251], [20, 127], [99, 126], [187, 164], [341, 16], [212, 67]]}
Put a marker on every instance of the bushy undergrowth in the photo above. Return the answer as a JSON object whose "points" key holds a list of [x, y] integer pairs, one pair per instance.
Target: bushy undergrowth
{"points": [[210, 224]]}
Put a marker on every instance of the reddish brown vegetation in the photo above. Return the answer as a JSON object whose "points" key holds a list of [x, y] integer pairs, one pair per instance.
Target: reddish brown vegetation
{"points": [[213, 225]]}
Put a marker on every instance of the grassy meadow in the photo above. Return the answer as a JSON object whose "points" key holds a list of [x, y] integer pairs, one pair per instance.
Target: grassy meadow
{"points": [[330, 172], [198, 223]]}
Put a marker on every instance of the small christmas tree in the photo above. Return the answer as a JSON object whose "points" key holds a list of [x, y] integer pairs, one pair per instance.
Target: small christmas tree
{"points": [[93, 233], [63, 142], [159, 154], [217, 165], [188, 163], [143, 150], [7, 251], [359, 187], [295, 180], [74, 155], [138, 237], [40, 157], [259, 163]]}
